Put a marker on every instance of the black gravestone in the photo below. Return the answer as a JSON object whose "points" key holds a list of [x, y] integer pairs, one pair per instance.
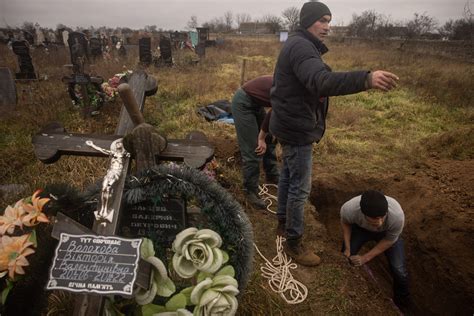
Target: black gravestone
{"points": [[122, 51], [144, 50], [95, 45], [160, 219], [165, 50], [78, 48], [27, 70], [29, 37], [99, 264], [203, 34], [7, 88]]}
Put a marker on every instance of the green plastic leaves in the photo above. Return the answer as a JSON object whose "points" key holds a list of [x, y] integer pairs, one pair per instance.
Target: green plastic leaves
{"points": [[176, 306], [197, 250], [160, 284], [146, 249]]}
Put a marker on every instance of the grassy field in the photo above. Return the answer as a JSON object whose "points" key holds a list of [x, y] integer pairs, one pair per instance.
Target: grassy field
{"points": [[430, 113]]}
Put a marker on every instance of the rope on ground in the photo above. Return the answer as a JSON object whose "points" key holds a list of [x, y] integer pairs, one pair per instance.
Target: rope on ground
{"points": [[266, 196], [279, 276]]}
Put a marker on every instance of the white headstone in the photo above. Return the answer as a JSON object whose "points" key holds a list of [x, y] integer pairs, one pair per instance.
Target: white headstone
{"points": [[65, 38], [39, 40]]}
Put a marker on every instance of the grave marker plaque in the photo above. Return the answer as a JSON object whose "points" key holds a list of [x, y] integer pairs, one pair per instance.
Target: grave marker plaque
{"points": [[159, 220], [98, 264]]}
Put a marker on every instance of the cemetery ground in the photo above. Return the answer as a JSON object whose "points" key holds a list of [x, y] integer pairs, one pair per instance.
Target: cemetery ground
{"points": [[415, 143]]}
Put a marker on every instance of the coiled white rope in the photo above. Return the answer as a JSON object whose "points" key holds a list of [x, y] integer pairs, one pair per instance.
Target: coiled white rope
{"points": [[266, 196], [279, 275]]}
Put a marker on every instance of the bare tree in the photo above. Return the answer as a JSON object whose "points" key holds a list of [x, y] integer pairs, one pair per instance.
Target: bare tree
{"points": [[291, 17], [365, 24], [242, 18], [273, 21], [461, 29], [420, 25], [216, 25], [192, 23], [229, 20]]}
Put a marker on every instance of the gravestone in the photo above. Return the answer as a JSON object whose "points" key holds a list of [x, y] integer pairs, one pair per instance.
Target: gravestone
{"points": [[95, 47], [203, 34], [7, 88], [158, 218], [27, 70], [144, 51], [201, 49], [40, 38], [29, 37], [78, 48], [65, 37], [121, 50], [91, 98], [165, 52], [114, 39]]}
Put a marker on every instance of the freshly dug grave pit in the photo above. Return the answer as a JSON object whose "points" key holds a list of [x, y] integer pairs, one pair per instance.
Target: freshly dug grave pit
{"points": [[439, 239]]}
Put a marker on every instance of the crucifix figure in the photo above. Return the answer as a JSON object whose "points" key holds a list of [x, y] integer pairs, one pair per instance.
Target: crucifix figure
{"points": [[117, 152]]}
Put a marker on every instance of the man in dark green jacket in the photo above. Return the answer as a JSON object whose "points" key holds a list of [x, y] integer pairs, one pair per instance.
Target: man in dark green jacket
{"points": [[302, 83]]}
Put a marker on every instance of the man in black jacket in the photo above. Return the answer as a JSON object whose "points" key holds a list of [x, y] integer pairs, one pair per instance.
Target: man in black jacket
{"points": [[302, 83]]}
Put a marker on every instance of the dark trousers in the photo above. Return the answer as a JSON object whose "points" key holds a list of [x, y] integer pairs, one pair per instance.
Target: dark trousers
{"points": [[394, 254], [248, 118]]}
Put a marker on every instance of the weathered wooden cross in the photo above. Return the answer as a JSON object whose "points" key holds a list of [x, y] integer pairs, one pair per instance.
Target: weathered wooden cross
{"points": [[147, 147]]}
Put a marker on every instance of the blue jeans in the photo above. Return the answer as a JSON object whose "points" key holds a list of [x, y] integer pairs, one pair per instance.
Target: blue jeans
{"points": [[394, 254], [294, 187]]}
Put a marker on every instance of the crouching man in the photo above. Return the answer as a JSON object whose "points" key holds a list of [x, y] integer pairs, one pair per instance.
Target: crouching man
{"points": [[374, 216]]}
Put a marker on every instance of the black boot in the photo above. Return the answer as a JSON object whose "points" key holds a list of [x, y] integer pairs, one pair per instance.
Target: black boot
{"points": [[255, 201]]}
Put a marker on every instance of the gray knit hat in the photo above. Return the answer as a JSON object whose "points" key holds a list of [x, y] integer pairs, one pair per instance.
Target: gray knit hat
{"points": [[311, 12]]}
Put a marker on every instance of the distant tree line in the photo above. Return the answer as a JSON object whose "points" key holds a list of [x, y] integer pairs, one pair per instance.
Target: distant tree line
{"points": [[368, 24]]}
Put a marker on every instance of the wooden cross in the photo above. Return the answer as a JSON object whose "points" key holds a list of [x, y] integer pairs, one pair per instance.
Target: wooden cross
{"points": [[147, 146]]}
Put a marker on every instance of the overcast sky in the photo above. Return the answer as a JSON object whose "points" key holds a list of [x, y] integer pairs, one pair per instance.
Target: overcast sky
{"points": [[174, 14]]}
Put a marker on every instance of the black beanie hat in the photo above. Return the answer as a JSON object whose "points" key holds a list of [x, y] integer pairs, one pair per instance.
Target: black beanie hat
{"points": [[373, 204], [311, 12]]}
